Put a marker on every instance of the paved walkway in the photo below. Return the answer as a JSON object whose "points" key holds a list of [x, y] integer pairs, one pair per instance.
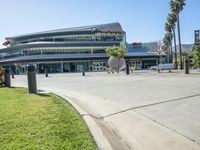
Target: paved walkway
{"points": [[143, 111]]}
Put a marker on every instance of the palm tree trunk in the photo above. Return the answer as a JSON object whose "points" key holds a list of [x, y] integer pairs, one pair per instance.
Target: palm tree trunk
{"points": [[175, 50], [171, 53], [179, 39], [168, 54]]}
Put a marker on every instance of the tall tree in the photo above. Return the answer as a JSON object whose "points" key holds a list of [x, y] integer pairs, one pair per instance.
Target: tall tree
{"points": [[168, 28], [176, 7], [167, 41], [175, 49], [172, 19]]}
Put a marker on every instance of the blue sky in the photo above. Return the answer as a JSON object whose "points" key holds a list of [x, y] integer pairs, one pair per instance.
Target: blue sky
{"points": [[143, 20]]}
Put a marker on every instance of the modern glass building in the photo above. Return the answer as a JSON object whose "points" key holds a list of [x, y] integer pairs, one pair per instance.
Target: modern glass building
{"points": [[71, 49]]}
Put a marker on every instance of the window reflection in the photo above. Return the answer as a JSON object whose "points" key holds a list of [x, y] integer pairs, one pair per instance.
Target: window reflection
{"points": [[78, 37]]}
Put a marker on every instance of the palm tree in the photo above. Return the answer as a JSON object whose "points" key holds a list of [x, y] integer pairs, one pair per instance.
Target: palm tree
{"points": [[175, 49], [168, 28], [181, 5], [167, 40], [176, 7], [179, 40], [169, 37], [172, 21]]}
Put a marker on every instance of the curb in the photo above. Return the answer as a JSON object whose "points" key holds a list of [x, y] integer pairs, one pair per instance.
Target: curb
{"points": [[99, 138]]}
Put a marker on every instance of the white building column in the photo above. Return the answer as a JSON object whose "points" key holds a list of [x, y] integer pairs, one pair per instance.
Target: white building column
{"points": [[141, 64], [157, 61]]}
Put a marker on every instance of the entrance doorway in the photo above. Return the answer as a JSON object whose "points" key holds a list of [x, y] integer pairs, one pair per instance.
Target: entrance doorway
{"points": [[72, 67]]}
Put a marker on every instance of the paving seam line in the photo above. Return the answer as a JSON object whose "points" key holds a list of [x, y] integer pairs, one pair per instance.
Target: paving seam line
{"points": [[166, 127], [152, 104], [101, 141]]}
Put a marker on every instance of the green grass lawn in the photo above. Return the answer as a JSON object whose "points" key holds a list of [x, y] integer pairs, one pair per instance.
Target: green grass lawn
{"points": [[42, 122]]}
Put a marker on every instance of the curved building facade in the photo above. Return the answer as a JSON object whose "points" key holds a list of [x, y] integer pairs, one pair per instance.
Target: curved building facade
{"points": [[63, 50]]}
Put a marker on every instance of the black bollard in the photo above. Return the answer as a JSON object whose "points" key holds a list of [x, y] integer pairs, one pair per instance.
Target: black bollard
{"points": [[187, 66], [7, 78], [12, 75], [127, 69], [46, 73], [32, 85], [83, 73]]}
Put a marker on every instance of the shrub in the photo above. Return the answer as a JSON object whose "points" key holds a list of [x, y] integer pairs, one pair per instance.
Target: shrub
{"points": [[117, 51]]}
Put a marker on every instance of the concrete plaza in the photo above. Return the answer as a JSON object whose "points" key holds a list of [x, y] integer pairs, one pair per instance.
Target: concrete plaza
{"points": [[144, 110]]}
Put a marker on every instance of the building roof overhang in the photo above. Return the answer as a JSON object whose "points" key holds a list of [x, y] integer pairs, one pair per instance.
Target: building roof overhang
{"points": [[69, 57], [110, 27]]}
